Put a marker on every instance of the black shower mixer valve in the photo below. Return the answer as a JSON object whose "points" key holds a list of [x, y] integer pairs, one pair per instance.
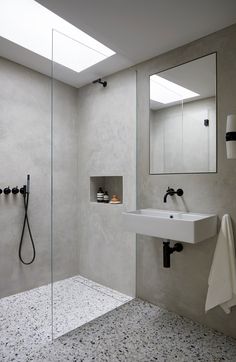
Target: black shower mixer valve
{"points": [[15, 190], [7, 190]]}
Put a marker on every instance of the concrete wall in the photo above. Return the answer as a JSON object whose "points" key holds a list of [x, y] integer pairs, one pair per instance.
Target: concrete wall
{"points": [[183, 287], [65, 181], [25, 139], [107, 147], [179, 140], [94, 134]]}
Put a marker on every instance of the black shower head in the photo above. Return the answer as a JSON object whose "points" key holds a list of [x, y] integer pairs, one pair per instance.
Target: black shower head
{"points": [[28, 184], [104, 83]]}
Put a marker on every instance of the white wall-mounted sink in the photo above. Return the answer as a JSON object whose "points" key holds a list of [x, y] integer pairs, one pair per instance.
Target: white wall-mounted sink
{"points": [[174, 225]]}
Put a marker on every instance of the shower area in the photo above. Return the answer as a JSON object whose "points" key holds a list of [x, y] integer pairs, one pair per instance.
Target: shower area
{"points": [[71, 140]]}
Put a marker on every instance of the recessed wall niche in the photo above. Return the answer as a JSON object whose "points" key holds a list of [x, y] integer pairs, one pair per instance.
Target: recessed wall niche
{"points": [[112, 184]]}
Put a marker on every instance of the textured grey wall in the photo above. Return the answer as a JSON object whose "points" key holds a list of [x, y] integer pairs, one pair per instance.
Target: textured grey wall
{"points": [[25, 113], [96, 138], [183, 287], [107, 147], [65, 176]]}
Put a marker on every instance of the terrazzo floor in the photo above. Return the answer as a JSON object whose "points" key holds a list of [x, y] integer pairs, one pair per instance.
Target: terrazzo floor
{"points": [[78, 300], [137, 331], [26, 318]]}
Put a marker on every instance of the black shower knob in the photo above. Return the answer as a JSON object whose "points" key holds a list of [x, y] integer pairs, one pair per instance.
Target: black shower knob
{"points": [[7, 190], [23, 190], [15, 190], [0, 191]]}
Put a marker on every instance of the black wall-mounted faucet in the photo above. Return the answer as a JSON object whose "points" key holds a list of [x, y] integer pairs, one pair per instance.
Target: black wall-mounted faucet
{"points": [[172, 192]]}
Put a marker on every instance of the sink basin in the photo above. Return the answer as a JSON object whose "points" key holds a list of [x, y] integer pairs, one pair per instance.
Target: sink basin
{"points": [[174, 225]]}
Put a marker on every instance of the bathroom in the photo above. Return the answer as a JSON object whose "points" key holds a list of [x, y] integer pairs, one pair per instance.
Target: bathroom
{"points": [[95, 289]]}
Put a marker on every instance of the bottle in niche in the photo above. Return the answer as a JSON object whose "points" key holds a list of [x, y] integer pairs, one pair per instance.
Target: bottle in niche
{"points": [[100, 195], [106, 197]]}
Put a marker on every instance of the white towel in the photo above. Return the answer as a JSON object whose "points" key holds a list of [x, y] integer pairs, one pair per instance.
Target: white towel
{"points": [[222, 278]]}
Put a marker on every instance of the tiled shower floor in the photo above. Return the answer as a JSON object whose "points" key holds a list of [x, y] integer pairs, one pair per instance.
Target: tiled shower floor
{"points": [[25, 318], [135, 332]]}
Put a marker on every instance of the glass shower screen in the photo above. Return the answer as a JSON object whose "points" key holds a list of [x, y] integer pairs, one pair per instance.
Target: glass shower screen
{"points": [[64, 189], [93, 258]]}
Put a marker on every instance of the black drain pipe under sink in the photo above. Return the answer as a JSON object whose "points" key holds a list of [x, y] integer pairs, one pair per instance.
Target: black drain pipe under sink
{"points": [[168, 250]]}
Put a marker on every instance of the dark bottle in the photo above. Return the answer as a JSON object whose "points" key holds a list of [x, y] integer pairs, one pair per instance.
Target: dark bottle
{"points": [[106, 197], [100, 195]]}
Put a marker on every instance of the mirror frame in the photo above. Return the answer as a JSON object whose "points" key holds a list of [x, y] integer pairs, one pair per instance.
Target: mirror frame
{"points": [[216, 85]]}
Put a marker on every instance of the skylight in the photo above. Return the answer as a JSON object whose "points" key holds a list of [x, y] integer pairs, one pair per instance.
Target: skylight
{"points": [[29, 24], [164, 91]]}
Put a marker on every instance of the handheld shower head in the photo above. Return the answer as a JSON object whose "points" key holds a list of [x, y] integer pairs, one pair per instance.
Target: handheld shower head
{"points": [[28, 184], [25, 189]]}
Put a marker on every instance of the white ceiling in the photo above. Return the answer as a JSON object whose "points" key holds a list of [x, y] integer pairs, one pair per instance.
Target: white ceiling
{"points": [[136, 29]]}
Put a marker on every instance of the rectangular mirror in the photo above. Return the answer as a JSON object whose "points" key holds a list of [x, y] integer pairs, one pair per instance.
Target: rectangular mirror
{"points": [[183, 118]]}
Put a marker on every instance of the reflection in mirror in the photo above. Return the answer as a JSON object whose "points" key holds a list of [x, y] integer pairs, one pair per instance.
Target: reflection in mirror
{"points": [[183, 118]]}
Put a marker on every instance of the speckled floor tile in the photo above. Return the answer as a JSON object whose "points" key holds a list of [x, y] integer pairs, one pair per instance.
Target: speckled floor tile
{"points": [[105, 290], [139, 332], [25, 318], [134, 332], [79, 300]]}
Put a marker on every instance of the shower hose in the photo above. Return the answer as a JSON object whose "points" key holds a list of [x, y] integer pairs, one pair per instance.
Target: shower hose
{"points": [[26, 222]]}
